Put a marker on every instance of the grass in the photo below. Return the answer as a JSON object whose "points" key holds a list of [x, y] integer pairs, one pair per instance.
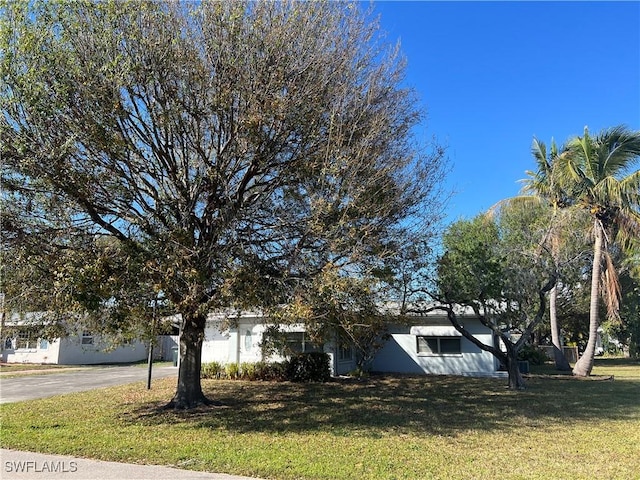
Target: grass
{"points": [[20, 367], [380, 428], [11, 370]]}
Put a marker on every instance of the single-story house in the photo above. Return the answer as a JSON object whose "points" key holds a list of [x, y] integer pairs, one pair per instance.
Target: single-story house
{"points": [[426, 344], [21, 344]]}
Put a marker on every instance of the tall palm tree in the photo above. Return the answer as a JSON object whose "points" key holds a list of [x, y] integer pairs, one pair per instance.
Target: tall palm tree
{"points": [[543, 184], [598, 173]]}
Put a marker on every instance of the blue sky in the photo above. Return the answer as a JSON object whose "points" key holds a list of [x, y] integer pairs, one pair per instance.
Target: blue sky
{"points": [[492, 75]]}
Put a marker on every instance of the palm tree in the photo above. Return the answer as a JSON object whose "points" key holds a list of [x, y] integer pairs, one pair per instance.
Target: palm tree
{"points": [[598, 174], [543, 184]]}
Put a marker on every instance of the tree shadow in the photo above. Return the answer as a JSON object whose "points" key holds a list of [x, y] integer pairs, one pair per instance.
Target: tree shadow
{"points": [[438, 405]]}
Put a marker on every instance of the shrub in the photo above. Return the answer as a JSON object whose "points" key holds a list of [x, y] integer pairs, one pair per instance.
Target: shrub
{"points": [[533, 355], [275, 372], [359, 373], [248, 371], [232, 371], [211, 370], [305, 367], [308, 367]]}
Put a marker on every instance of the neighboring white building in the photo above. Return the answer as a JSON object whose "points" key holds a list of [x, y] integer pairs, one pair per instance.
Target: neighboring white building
{"points": [[21, 345], [84, 349]]}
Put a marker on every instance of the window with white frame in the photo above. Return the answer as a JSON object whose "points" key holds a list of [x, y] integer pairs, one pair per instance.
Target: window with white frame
{"points": [[438, 345], [248, 342], [87, 338], [299, 342], [289, 343], [26, 340]]}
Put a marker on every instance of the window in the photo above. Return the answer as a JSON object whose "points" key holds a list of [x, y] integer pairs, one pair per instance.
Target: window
{"points": [[345, 353], [248, 344], [288, 343], [299, 342], [438, 345], [25, 340], [87, 338]]}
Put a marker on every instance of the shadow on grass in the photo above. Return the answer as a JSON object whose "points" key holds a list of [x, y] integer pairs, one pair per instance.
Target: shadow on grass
{"points": [[434, 405]]}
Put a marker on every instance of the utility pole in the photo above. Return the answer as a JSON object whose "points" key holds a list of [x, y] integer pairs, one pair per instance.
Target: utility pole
{"points": [[151, 342]]}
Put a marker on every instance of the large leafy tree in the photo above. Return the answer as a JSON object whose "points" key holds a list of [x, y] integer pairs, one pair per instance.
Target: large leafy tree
{"points": [[598, 172], [229, 149], [494, 267]]}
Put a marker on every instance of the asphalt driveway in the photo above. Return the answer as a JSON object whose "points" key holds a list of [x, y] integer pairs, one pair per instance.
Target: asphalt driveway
{"points": [[29, 387]]}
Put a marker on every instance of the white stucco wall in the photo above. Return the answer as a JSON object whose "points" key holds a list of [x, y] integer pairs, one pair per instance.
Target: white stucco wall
{"points": [[72, 352], [44, 352], [241, 342], [399, 355], [233, 342]]}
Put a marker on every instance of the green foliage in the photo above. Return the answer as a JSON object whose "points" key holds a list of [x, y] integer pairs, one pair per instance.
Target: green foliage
{"points": [[271, 371], [232, 371], [598, 171], [533, 355], [470, 269], [359, 373], [309, 367], [212, 370], [303, 367], [496, 265]]}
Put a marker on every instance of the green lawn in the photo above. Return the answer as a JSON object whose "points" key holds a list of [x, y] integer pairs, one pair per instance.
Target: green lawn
{"points": [[381, 428], [20, 367]]}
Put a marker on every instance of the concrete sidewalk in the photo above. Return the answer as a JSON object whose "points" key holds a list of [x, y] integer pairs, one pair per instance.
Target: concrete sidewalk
{"points": [[37, 466]]}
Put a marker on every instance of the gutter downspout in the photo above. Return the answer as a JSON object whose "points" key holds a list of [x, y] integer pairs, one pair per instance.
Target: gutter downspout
{"points": [[238, 345]]}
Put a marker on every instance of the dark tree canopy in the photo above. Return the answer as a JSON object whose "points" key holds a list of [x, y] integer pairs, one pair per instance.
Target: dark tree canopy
{"points": [[216, 152]]}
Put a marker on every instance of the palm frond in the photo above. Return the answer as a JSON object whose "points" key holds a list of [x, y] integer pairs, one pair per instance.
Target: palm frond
{"points": [[616, 147], [520, 201], [628, 228], [630, 185]]}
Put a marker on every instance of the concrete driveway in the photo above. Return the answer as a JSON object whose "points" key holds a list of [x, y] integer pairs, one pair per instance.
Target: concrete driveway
{"points": [[29, 387]]}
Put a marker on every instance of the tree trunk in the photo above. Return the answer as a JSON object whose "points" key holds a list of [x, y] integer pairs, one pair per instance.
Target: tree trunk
{"points": [[584, 365], [516, 382], [560, 360], [189, 390]]}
